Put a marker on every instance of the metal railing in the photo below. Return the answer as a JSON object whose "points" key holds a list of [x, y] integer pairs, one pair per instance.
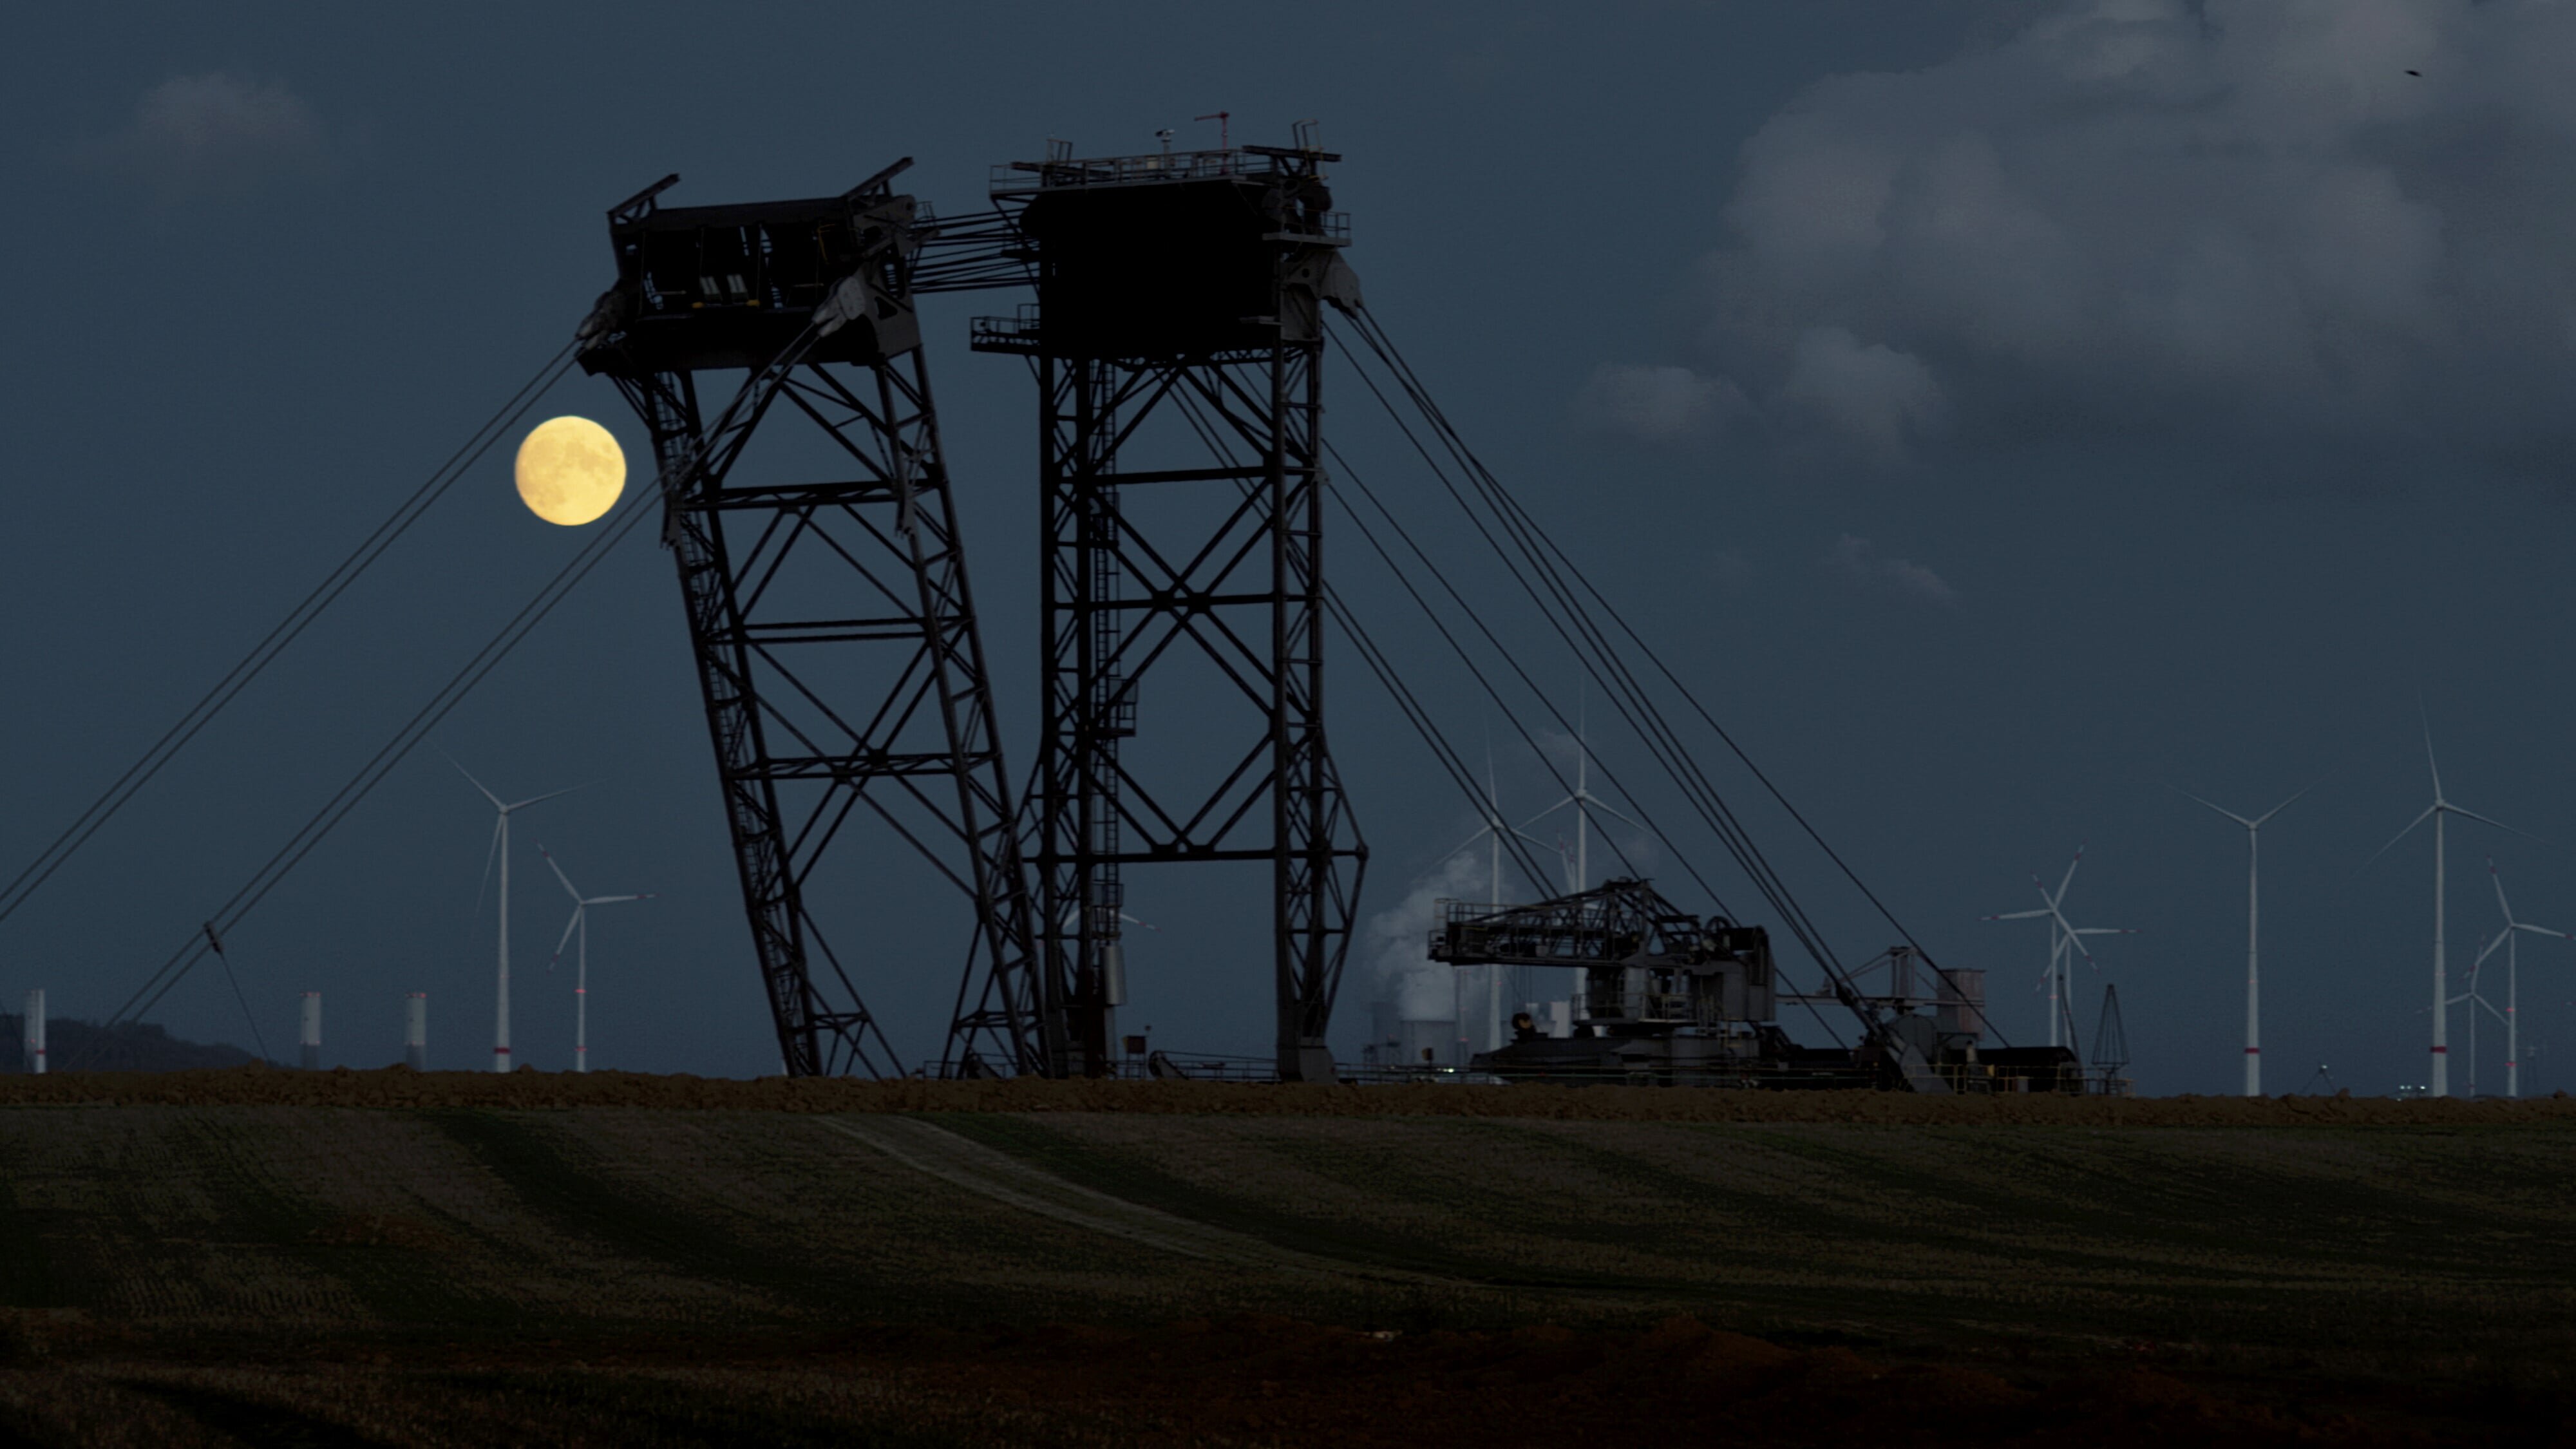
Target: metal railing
{"points": [[1004, 334], [1121, 170]]}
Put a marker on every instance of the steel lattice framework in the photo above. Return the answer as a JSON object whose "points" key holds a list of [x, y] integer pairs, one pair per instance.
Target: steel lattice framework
{"points": [[1182, 295], [833, 626]]}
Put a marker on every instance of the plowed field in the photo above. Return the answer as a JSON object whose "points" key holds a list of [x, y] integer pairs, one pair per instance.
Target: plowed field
{"points": [[388, 1258]]}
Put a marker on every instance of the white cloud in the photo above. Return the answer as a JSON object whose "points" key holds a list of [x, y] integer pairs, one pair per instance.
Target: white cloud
{"points": [[1400, 966], [2157, 216], [1869, 395], [1859, 562], [216, 134], [1657, 404]]}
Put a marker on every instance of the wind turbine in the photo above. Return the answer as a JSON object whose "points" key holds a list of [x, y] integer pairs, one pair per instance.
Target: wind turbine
{"points": [[2064, 943], [2477, 1003], [501, 850], [2506, 938], [2435, 812], [1492, 833], [579, 925], [2253, 938], [1584, 803]]}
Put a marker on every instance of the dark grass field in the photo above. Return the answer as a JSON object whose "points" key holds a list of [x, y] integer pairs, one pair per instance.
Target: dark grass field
{"points": [[437, 1274]]}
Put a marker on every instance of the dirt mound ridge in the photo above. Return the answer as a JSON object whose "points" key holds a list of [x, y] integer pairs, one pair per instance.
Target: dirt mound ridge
{"points": [[399, 1087]]}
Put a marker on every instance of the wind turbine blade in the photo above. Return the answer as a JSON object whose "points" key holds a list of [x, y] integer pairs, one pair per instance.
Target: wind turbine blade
{"points": [[2400, 835], [1542, 815], [2502, 904], [1453, 852], [569, 927], [2108, 931], [2498, 824], [2543, 931], [550, 794], [1597, 804], [2277, 809], [477, 784], [2071, 934], [2434, 764], [613, 900], [2500, 938], [490, 854], [559, 875], [2230, 814], [2070, 873], [2015, 916]]}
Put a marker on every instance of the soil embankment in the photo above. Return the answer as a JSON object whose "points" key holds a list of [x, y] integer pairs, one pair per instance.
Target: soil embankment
{"points": [[399, 1087]]}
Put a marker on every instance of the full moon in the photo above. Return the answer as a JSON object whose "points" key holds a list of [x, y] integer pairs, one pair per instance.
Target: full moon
{"points": [[570, 471]]}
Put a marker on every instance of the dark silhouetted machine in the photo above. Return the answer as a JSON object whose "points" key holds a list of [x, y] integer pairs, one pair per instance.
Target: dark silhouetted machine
{"points": [[1669, 997]]}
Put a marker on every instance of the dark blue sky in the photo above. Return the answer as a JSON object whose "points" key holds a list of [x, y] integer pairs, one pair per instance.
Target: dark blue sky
{"points": [[2003, 412]]}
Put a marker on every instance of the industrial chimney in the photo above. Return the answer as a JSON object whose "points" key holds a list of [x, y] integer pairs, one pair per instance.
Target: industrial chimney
{"points": [[311, 1040], [416, 1031]]}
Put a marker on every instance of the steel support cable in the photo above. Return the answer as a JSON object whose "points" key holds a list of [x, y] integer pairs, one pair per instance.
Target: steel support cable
{"points": [[1677, 763], [1486, 630], [1756, 771], [265, 652], [1371, 538], [404, 740], [1537, 547], [1711, 813], [1465, 779], [1424, 726], [1519, 671], [1502, 500], [1415, 714], [1382, 666], [1624, 694]]}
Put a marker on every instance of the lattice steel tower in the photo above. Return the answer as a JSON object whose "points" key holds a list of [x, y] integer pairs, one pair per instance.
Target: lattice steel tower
{"points": [[835, 634], [1178, 344]]}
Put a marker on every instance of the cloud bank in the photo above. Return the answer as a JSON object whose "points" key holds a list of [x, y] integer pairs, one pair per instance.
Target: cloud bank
{"points": [[215, 135], [1858, 562], [2144, 216]]}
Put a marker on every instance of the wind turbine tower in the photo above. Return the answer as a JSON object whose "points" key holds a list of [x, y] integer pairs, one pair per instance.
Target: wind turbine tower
{"points": [[2064, 944], [2253, 933], [580, 925], [501, 851], [2435, 812], [1584, 803], [1492, 833], [2512, 933]]}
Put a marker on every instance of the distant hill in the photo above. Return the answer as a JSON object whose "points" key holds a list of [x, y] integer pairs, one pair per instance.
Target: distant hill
{"points": [[72, 1045]]}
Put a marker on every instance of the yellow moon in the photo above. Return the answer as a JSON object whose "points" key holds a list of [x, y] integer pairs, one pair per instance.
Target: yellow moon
{"points": [[570, 471]]}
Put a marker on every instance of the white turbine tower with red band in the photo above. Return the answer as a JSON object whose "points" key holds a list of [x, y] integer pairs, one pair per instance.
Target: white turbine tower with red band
{"points": [[2441, 807], [579, 925], [2253, 934], [2513, 932], [501, 851]]}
